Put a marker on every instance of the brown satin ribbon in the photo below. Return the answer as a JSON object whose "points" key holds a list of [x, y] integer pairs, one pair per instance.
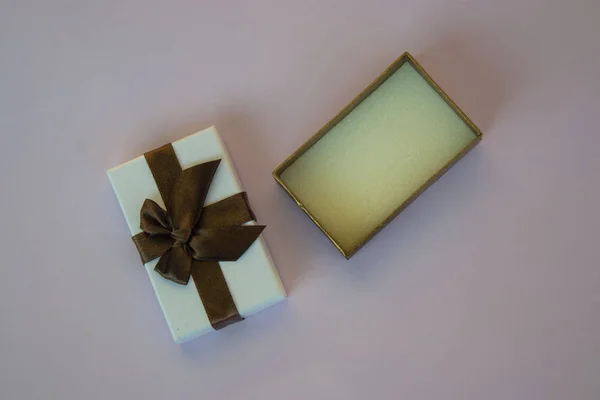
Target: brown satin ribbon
{"points": [[191, 239]]}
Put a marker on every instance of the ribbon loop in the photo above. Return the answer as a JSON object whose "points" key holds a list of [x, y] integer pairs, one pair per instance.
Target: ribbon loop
{"points": [[175, 265], [154, 220]]}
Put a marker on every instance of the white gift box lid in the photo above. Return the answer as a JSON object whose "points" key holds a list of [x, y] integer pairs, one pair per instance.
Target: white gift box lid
{"points": [[253, 280]]}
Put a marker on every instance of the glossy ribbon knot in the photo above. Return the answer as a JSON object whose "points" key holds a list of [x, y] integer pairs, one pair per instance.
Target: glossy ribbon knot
{"points": [[189, 238]]}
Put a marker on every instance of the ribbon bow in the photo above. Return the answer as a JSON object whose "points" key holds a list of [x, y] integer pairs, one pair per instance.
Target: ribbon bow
{"points": [[189, 238]]}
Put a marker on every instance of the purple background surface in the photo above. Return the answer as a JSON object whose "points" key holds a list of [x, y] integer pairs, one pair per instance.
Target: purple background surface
{"points": [[487, 287]]}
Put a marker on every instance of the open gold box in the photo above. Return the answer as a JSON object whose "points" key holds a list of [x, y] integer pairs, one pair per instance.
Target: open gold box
{"points": [[378, 154]]}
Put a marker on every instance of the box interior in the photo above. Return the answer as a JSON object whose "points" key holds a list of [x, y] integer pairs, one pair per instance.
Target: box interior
{"points": [[376, 157]]}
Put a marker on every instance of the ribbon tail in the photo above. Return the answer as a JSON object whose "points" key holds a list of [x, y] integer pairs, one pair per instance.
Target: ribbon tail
{"points": [[232, 211], [214, 293], [189, 191], [223, 244]]}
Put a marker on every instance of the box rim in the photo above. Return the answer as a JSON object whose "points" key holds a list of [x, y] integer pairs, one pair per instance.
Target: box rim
{"points": [[389, 71]]}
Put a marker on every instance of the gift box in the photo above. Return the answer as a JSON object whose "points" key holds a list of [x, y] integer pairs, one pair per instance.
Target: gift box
{"points": [[196, 235], [371, 160]]}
